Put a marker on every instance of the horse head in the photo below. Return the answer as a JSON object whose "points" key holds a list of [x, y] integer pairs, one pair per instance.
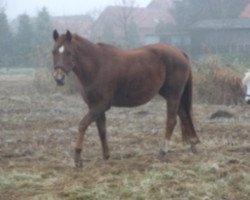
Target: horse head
{"points": [[62, 56], [246, 84]]}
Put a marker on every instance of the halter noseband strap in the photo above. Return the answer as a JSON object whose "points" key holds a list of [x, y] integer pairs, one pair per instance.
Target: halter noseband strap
{"points": [[62, 68]]}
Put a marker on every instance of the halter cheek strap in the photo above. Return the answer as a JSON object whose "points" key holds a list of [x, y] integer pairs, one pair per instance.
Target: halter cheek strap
{"points": [[70, 69], [72, 66]]}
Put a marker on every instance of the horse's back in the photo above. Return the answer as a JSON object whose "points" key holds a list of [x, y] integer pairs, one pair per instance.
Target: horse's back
{"points": [[137, 75], [143, 73], [169, 52]]}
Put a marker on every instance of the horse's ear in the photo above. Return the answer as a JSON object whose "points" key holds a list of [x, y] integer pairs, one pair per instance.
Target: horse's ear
{"points": [[68, 35], [55, 35]]}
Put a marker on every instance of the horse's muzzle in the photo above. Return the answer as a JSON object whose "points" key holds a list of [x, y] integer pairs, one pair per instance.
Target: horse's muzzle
{"points": [[59, 77]]}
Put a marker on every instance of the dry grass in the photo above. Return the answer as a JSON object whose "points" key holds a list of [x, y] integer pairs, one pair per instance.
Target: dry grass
{"points": [[216, 83], [43, 83], [38, 132]]}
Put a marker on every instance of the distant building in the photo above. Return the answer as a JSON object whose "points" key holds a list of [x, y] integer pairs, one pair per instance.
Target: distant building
{"points": [[225, 36], [116, 21], [221, 36], [80, 24]]}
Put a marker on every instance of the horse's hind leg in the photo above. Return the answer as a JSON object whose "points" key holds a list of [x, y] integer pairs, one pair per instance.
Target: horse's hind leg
{"points": [[172, 108], [101, 126], [188, 132]]}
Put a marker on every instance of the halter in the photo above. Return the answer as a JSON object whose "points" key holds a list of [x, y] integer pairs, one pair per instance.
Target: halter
{"points": [[247, 95], [66, 71], [62, 68]]}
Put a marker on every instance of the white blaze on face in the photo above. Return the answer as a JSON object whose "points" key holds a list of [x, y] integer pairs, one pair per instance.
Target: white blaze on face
{"points": [[61, 49]]}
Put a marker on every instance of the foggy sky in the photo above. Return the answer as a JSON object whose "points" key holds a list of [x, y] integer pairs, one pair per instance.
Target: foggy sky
{"points": [[14, 8]]}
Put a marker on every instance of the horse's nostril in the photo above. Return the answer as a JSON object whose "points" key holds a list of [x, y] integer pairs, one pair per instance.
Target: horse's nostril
{"points": [[59, 78]]}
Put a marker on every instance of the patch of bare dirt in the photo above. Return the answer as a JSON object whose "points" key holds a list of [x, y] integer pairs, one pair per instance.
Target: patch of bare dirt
{"points": [[38, 133]]}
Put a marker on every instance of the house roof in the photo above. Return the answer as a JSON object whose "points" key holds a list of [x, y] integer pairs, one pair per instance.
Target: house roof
{"points": [[222, 24], [80, 24], [160, 4], [143, 17], [149, 18]]}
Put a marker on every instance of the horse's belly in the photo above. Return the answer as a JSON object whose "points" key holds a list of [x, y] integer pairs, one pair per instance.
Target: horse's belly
{"points": [[133, 98], [139, 86]]}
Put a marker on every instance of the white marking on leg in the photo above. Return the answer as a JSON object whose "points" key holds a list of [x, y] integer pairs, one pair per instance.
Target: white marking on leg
{"points": [[194, 140], [167, 146]]}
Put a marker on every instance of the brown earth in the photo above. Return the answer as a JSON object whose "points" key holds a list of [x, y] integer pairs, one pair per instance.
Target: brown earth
{"points": [[38, 133]]}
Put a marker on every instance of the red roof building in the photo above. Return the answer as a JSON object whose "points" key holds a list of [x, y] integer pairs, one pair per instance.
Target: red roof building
{"points": [[114, 20], [80, 24]]}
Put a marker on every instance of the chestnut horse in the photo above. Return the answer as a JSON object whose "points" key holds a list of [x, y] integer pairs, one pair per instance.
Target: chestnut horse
{"points": [[125, 78]]}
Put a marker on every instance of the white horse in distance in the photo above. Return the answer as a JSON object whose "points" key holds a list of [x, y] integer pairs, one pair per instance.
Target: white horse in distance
{"points": [[246, 83]]}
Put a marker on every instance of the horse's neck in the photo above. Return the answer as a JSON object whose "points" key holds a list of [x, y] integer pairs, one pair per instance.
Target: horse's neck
{"points": [[85, 58]]}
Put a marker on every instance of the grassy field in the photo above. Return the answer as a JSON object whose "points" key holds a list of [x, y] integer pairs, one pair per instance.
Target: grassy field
{"points": [[17, 71], [38, 133]]}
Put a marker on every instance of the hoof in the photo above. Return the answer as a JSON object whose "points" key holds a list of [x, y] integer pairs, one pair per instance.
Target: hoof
{"points": [[106, 157], [193, 149], [161, 154], [193, 143], [79, 163], [78, 160]]}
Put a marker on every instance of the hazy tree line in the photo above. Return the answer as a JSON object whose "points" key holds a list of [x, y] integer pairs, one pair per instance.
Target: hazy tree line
{"points": [[188, 12], [27, 42]]}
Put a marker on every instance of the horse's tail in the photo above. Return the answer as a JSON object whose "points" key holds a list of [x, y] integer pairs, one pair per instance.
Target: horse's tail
{"points": [[186, 106], [186, 98]]}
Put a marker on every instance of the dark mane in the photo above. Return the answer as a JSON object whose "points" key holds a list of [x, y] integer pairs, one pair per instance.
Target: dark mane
{"points": [[105, 45]]}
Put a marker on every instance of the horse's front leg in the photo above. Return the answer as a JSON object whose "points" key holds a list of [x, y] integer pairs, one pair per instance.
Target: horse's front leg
{"points": [[101, 126], [85, 122]]}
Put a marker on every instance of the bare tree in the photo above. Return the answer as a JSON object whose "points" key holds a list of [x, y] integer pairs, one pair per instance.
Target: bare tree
{"points": [[126, 18], [117, 25], [95, 13], [187, 12], [80, 24]]}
